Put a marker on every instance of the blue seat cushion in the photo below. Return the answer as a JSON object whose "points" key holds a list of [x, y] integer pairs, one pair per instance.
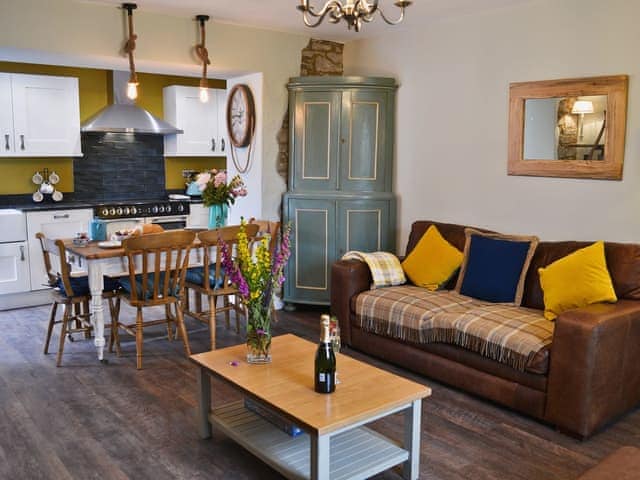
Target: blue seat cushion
{"points": [[125, 284], [80, 285], [196, 275]]}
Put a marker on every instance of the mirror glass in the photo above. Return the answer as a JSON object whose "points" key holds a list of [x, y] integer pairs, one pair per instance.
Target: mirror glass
{"points": [[565, 128]]}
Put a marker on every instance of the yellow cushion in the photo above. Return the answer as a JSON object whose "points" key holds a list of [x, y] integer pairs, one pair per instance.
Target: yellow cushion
{"points": [[577, 280], [433, 260]]}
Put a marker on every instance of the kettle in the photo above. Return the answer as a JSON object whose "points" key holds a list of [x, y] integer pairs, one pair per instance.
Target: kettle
{"points": [[193, 190], [98, 230]]}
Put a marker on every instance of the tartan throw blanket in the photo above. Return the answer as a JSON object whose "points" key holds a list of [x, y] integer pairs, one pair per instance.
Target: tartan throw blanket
{"points": [[505, 333], [385, 267]]}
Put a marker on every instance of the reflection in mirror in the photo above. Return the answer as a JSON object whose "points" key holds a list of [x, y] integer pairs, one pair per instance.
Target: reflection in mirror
{"points": [[565, 128]]}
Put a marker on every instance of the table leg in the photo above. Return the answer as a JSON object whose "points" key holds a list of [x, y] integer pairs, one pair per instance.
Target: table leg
{"points": [[96, 285], [320, 461], [411, 468], [204, 402]]}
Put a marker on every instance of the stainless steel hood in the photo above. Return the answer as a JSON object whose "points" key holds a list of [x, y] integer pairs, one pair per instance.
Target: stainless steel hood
{"points": [[124, 116]]}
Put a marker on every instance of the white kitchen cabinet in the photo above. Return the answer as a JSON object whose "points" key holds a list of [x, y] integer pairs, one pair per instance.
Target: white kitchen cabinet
{"points": [[54, 224], [202, 122], [45, 116], [198, 216], [6, 115], [14, 268]]}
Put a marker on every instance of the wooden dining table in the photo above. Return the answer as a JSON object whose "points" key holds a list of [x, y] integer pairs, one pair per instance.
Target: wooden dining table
{"points": [[98, 262]]}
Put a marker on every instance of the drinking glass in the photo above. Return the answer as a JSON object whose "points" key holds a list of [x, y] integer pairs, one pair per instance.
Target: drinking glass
{"points": [[334, 335]]}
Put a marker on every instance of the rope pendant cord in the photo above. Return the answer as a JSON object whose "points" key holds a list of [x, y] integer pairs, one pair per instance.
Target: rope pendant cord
{"points": [[201, 49], [130, 44]]}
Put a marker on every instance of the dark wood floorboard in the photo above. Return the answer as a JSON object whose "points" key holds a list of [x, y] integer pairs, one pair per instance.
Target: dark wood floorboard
{"points": [[87, 420]]}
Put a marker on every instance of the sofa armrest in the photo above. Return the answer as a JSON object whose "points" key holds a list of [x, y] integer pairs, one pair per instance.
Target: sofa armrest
{"points": [[348, 278], [594, 374]]}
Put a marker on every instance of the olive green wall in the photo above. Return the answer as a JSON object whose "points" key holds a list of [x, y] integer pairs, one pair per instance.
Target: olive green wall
{"points": [[95, 94]]}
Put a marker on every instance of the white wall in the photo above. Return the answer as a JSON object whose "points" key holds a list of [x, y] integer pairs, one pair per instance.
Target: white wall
{"points": [[251, 205], [77, 33], [451, 142]]}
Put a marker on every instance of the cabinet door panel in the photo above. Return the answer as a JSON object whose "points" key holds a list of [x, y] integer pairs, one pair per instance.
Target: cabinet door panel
{"points": [[364, 225], [46, 115], [223, 139], [313, 250], [6, 116], [316, 136], [200, 124], [14, 268], [54, 224], [362, 161]]}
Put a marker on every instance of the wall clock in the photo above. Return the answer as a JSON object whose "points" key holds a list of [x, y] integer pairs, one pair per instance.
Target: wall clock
{"points": [[241, 121]]}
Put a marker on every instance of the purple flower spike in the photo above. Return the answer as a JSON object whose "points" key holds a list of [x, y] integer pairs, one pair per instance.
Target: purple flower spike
{"points": [[260, 331]]}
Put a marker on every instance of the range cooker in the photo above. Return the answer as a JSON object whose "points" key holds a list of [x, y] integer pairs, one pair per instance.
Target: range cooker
{"points": [[125, 215]]}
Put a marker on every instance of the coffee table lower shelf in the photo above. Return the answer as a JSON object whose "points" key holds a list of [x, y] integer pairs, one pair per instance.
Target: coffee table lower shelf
{"points": [[358, 453]]}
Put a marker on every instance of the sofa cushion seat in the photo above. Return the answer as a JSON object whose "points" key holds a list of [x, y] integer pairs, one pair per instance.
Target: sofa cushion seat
{"points": [[511, 335]]}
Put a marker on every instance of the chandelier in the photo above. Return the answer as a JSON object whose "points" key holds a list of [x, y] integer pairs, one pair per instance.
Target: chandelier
{"points": [[354, 12]]}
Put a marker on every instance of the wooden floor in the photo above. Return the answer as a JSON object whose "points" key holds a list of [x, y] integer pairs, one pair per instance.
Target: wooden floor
{"points": [[89, 420]]}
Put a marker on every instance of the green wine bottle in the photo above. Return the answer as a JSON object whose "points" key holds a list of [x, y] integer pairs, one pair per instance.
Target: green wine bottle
{"points": [[325, 365]]}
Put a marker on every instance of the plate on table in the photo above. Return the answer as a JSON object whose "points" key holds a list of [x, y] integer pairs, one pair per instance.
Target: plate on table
{"points": [[110, 244]]}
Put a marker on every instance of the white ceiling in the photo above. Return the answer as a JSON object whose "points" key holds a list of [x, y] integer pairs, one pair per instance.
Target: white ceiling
{"points": [[282, 14]]}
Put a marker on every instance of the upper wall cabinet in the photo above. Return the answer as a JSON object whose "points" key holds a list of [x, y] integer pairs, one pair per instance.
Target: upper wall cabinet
{"points": [[341, 133], [202, 122], [39, 116]]}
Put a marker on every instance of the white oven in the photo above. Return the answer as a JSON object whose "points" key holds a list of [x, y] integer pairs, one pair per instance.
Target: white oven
{"points": [[170, 215]]}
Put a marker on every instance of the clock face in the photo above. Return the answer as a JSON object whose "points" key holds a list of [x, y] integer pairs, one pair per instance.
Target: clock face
{"points": [[240, 116]]}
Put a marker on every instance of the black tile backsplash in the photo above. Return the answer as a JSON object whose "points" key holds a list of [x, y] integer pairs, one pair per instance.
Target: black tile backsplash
{"points": [[120, 166]]}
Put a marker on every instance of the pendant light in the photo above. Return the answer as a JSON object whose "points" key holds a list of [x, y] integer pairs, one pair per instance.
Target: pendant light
{"points": [[203, 55], [129, 47]]}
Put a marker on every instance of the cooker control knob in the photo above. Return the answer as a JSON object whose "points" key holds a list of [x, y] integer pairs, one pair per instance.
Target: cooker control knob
{"points": [[168, 209], [119, 210], [154, 209], [127, 210], [134, 210], [181, 208], [112, 211], [104, 212], [161, 209]]}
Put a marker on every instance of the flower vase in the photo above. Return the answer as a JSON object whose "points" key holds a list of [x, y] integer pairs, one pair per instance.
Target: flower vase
{"points": [[258, 334], [218, 213]]}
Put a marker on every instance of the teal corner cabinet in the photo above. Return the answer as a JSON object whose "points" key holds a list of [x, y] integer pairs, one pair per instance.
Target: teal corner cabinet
{"points": [[340, 177]]}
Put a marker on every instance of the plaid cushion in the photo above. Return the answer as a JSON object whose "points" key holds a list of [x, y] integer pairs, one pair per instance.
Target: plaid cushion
{"points": [[385, 267], [505, 333]]}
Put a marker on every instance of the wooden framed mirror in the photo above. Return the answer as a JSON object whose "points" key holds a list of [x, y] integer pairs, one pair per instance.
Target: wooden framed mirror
{"points": [[572, 128]]}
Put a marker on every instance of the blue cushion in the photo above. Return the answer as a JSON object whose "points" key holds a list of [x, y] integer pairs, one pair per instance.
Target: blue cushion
{"points": [[196, 275], [125, 284], [80, 285], [495, 267]]}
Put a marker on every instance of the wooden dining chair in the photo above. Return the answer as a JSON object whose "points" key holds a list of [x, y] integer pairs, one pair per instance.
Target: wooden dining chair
{"points": [[268, 228], [157, 268], [72, 292], [211, 280]]}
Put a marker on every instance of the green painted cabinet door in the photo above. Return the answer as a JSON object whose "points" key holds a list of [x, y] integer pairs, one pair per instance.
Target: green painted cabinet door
{"points": [[365, 225], [315, 141], [365, 141], [312, 249]]}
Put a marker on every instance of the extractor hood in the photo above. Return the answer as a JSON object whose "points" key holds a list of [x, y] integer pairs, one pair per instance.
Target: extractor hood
{"points": [[124, 116]]}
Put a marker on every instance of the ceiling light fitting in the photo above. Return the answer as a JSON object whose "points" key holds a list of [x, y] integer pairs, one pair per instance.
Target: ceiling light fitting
{"points": [[129, 47], [354, 12], [203, 55]]}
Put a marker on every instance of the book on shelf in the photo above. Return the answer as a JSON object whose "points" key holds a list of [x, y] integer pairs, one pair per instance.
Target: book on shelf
{"points": [[272, 417]]}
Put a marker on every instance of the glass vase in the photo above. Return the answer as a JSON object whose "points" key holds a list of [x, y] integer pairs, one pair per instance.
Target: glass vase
{"points": [[258, 334], [218, 215]]}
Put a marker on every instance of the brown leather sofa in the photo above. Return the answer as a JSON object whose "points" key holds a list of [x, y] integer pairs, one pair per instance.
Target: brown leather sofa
{"points": [[590, 374]]}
